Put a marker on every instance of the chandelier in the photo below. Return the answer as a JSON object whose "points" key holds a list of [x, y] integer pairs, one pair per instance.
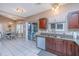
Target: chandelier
{"points": [[20, 10]]}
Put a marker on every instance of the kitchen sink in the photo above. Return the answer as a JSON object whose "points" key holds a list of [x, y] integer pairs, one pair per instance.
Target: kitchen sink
{"points": [[58, 35], [49, 34]]}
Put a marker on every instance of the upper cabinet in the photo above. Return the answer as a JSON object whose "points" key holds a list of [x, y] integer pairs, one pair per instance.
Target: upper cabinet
{"points": [[43, 23], [73, 20]]}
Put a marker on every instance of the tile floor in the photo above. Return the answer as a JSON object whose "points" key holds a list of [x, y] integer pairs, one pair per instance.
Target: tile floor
{"points": [[20, 47], [45, 53]]}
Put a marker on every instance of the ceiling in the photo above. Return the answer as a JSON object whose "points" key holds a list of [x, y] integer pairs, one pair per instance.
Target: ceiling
{"points": [[8, 9]]}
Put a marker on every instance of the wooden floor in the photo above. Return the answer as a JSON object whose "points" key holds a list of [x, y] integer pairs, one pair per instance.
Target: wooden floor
{"points": [[18, 47]]}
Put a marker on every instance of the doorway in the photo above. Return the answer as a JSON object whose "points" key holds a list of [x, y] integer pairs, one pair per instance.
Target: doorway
{"points": [[32, 29]]}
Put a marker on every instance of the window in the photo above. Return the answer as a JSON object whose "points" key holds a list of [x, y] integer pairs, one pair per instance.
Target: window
{"points": [[53, 25], [59, 26], [19, 28]]}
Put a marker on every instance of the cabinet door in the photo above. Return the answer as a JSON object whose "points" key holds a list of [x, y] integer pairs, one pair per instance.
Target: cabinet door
{"points": [[74, 21], [59, 46], [77, 50], [42, 23], [64, 47], [53, 44], [69, 48], [48, 43], [74, 49]]}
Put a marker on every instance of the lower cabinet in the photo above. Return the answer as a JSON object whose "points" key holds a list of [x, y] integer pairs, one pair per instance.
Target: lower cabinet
{"points": [[75, 49], [69, 48], [59, 47], [72, 49], [49, 43], [62, 47]]}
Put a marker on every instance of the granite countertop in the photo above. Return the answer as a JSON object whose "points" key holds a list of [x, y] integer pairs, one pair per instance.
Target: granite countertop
{"points": [[55, 37], [59, 36]]}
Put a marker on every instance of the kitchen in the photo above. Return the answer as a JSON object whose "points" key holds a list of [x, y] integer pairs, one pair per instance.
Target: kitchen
{"points": [[59, 34], [55, 29]]}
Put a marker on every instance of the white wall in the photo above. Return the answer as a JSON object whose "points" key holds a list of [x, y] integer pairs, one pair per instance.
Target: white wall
{"points": [[4, 21], [6, 24], [60, 16], [62, 13]]}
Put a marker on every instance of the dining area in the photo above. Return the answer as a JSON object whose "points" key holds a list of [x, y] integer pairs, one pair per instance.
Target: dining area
{"points": [[11, 30], [13, 40], [8, 35], [15, 43]]}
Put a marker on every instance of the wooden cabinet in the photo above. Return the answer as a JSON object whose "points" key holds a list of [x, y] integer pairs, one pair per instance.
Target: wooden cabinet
{"points": [[53, 44], [75, 49], [73, 21], [48, 43], [72, 49], [59, 46], [69, 48], [62, 47], [42, 23]]}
